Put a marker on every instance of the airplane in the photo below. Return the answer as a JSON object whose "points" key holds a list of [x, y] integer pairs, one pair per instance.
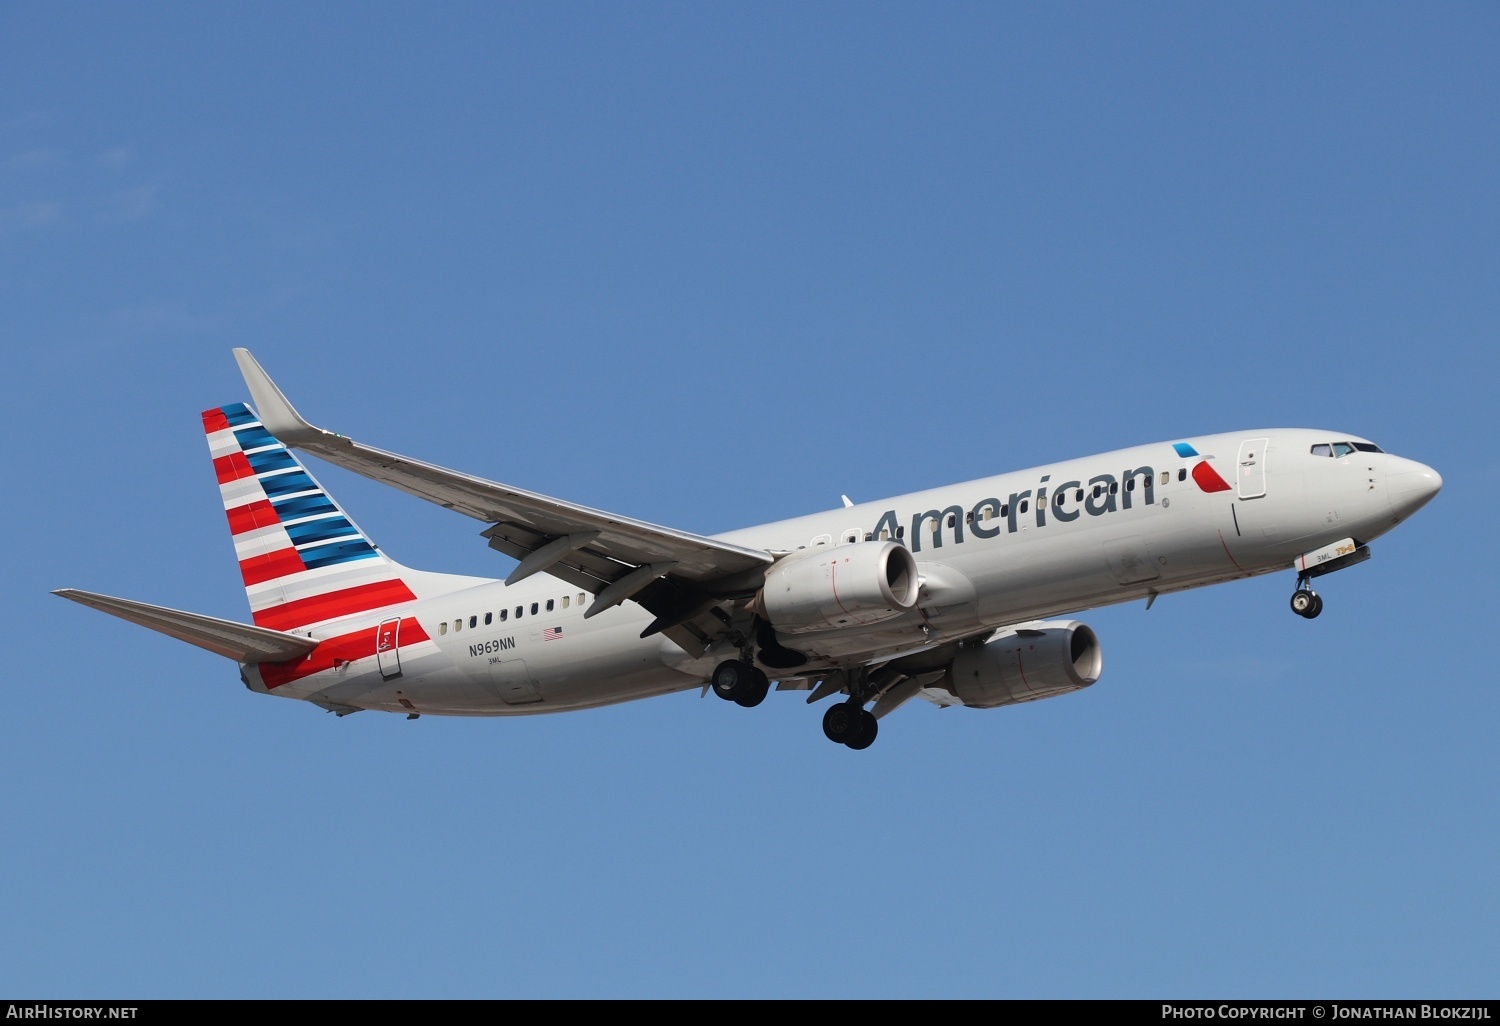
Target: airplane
{"points": [[957, 595]]}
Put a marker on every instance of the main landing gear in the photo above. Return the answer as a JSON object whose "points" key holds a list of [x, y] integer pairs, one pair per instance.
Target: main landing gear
{"points": [[850, 724], [740, 682], [846, 723], [1305, 601]]}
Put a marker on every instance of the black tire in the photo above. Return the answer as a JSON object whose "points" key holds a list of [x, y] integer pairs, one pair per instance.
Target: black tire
{"points": [[867, 735], [755, 693], [1315, 608], [1302, 601], [842, 721], [731, 679]]}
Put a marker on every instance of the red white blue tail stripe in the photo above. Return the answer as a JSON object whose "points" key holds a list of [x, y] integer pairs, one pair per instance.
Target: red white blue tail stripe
{"points": [[303, 561]]}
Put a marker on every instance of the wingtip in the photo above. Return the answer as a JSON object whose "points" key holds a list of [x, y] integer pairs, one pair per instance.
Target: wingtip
{"points": [[276, 413]]}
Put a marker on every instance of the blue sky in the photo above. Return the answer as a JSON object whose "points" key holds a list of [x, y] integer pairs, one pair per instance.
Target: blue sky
{"points": [[711, 265]]}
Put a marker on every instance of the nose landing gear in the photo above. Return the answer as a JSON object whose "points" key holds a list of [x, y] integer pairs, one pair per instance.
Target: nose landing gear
{"points": [[1306, 602], [1338, 556]]}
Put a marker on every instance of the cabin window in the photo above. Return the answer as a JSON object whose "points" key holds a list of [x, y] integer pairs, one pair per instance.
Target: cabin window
{"points": [[534, 606], [458, 625], [580, 598], [565, 600], [1025, 505], [1078, 495], [550, 604], [900, 532], [443, 627], [1166, 476], [489, 618], [1098, 491], [869, 536], [1005, 510], [1114, 488], [504, 615], [1182, 474], [519, 610], [952, 520], [853, 537], [473, 621], [1130, 485]]}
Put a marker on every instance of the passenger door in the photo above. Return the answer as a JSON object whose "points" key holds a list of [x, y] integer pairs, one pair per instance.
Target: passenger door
{"points": [[387, 648], [1252, 468]]}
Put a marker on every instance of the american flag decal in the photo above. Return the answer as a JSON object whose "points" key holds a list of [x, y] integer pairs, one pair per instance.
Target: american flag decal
{"points": [[552, 634]]}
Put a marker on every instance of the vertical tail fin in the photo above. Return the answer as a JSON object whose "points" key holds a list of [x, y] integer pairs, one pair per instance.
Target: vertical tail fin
{"points": [[304, 562]]}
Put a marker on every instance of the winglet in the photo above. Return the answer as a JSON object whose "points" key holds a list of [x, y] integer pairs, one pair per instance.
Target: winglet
{"points": [[276, 414]]}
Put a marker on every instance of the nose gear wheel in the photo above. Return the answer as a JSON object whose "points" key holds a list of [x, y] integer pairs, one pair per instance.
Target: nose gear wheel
{"points": [[1306, 603]]}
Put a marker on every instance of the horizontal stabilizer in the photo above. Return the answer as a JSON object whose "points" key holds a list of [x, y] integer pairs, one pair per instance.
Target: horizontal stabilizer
{"points": [[238, 641]]}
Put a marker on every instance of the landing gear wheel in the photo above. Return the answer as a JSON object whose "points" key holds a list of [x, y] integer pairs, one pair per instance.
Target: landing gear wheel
{"points": [[843, 722], [733, 679], [1306, 603], [755, 690], [866, 736]]}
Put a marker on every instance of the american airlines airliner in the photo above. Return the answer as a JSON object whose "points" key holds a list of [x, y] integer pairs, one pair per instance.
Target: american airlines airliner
{"points": [[959, 595]]}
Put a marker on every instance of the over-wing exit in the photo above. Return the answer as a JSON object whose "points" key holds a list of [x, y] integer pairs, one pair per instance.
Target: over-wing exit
{"points": [[956, 595]]}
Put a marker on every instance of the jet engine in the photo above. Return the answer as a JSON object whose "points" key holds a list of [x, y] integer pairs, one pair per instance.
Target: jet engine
{"points": [[1022, 664], [826, 588]]}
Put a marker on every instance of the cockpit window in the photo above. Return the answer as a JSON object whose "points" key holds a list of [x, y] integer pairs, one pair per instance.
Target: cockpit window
{"points": [[1367, 447], [1322, 449], [1342, 449]]}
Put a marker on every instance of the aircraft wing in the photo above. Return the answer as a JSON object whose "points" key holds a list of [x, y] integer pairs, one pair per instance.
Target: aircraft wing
{"points": [[674, 574], [238, 641]]}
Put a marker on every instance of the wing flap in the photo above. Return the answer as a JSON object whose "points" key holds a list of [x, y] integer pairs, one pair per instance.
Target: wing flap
{"points": [[238, 641]]}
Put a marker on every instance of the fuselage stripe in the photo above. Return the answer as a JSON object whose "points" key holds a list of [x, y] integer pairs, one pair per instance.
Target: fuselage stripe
{"points": [[333, 604], [346, 648]]}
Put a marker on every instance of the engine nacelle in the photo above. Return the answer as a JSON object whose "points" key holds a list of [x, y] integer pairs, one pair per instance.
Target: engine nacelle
{"points": [[826, 588], [1023, 664]]}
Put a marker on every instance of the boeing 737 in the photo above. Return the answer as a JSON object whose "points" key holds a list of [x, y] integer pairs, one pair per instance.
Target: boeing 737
{"points": [[957, 595]]}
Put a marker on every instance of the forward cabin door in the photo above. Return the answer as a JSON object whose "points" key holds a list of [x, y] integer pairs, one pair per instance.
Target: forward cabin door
{"points": [[1252, 467], [387, 648]]}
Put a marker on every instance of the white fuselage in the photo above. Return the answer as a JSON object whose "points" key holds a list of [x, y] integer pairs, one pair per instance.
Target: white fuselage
{"points": [[992, 552]]}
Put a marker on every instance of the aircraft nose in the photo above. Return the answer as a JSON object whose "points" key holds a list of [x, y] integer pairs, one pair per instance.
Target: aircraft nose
{"points": [[1411, 486]]}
